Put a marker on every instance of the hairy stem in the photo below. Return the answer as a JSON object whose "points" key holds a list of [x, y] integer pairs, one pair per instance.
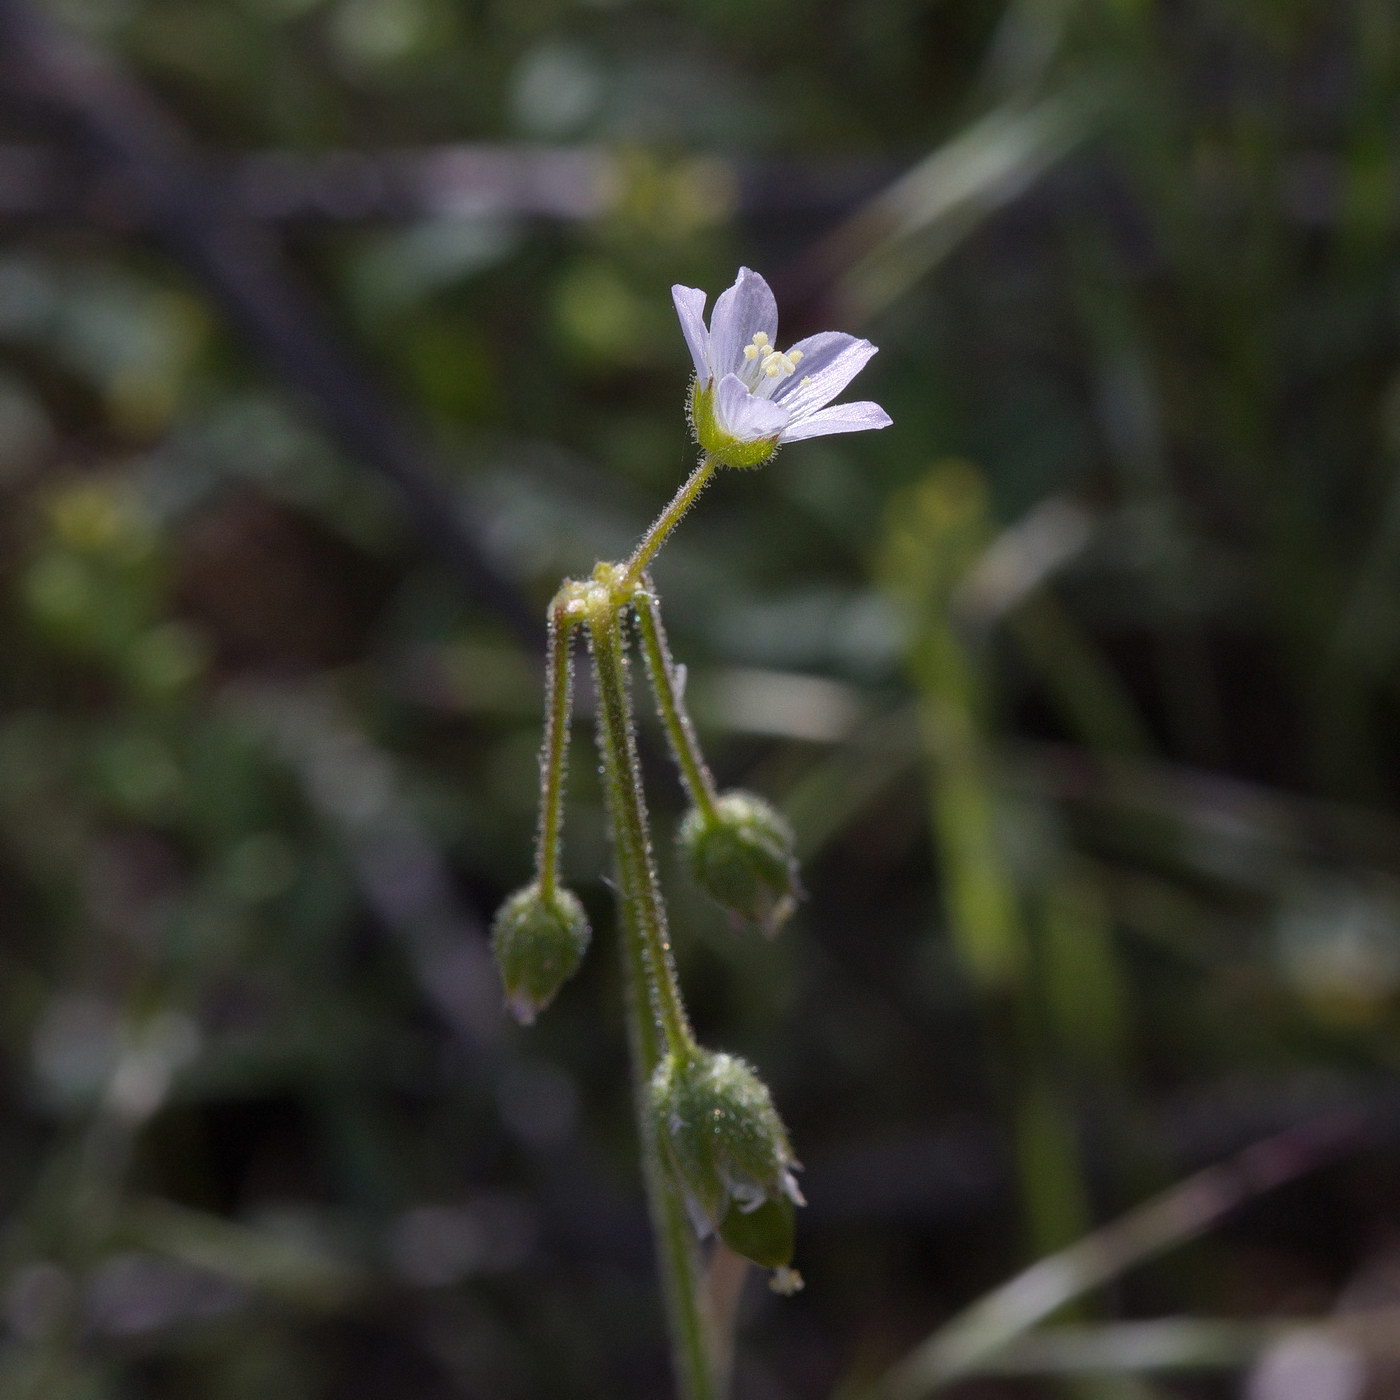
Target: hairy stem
{"points": [[657, 1022], [638, 889], [666, 522], [554, 752], [694, 1349], [670, 702]]}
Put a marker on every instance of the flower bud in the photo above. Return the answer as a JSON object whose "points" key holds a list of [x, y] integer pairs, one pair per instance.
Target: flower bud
{"points": [[717, 1127], [741, 856], [539, 941]]}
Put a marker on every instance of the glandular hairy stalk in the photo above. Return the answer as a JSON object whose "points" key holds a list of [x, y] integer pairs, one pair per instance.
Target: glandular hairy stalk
{"points": [[715, 1154], [657, 1023]]}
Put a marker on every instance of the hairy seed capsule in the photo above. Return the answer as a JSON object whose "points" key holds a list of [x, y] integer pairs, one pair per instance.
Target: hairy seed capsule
{"points": [[716, 1125], [742, 857], [539, 942], [765, 1235]]}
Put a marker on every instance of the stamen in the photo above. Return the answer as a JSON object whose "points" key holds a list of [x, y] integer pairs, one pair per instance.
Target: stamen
{"points": [[758, 346], [776, 363]]}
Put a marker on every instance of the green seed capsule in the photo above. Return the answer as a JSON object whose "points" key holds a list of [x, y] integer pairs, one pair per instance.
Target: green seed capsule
{"points": [[716, 1124], [765, 1235], [742, 857], [539, 942]]}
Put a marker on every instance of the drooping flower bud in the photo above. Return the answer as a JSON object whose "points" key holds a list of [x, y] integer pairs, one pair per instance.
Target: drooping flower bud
{"points": [[539, 941], [741, 856], [717, 1127]]}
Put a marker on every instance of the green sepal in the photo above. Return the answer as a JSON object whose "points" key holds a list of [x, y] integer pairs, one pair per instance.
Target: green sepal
{"points": [[715, 1121], [726, 449], [741, 855], [539, 941]]}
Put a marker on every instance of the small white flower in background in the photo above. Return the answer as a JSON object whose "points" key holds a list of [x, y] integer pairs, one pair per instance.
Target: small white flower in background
{"points": [[749, 397]]}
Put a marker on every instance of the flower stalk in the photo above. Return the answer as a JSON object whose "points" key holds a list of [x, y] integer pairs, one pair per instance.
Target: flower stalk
{"points": [[700, 1347], [657, 1024], [670, 702], [667, 521], [638, 888], [558, 686], [715, 1154]]}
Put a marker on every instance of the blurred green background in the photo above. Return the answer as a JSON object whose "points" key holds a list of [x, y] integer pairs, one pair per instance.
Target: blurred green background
{"points": [[333, 333]]}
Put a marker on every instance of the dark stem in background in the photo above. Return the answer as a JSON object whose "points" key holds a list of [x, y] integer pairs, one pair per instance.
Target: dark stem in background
{"points": [[112, 118], [451, 180]]}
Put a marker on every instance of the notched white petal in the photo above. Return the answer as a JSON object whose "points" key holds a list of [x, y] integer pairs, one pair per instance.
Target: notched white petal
{"points": [[744, 310], [690, 308], [741, 415], [842, 418]]}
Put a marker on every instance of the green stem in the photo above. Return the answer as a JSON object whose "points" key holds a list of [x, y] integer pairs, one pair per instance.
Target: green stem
{"points": [[671, 704], [694, 1349], [554, 752], [656, 1018], [638, 889], [666, 522]]}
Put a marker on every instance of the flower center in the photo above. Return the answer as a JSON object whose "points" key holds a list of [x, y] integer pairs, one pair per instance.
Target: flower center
{"points": [[765, 360]]}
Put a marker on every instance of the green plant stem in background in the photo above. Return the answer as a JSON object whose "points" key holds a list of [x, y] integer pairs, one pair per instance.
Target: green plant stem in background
{"points": [[940, 531], [656, 1017], [982, 1331], [670, 703], [553, 758]]}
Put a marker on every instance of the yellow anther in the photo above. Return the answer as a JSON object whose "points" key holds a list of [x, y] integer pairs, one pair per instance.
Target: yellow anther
{"points": [[760, 338], [776, 363], [794, 356], [751, 352]]}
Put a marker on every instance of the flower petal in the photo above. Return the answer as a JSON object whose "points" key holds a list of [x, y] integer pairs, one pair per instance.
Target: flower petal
{"points": [[742, 416], [747, 307], [829, 362], [690, 307], [843, 418]]}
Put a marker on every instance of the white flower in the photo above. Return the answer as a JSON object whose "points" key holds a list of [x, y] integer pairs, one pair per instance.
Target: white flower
{"points": [[749, 397]]}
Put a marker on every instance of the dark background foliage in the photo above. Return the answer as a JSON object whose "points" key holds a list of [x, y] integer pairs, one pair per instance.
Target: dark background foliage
{"points": [[334, 333]]}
